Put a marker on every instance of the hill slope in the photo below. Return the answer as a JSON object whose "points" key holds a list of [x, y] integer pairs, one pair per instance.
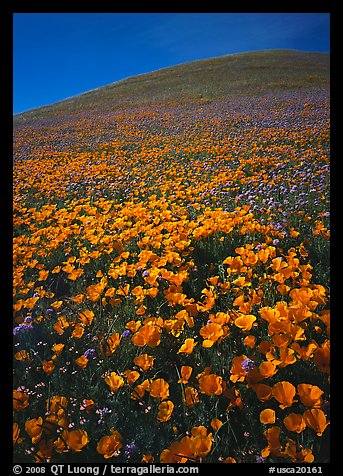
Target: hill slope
{"points": [[172, 267], [255, 73]]}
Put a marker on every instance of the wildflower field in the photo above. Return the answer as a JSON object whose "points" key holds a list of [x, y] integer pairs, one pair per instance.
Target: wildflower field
{"points": [[171, 277]]}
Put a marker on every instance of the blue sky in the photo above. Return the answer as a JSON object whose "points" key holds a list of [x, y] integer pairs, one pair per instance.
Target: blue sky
{"points": [[59, 55]]}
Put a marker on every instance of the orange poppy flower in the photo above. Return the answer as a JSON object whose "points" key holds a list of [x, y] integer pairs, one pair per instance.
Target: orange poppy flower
{"points": [[229, 459], [201, 442], [211, 333], [87, 404], [216, 424], [147, 458], [211, 384], [114, 381], [220, 318], [267, 369], [303, 456], [237, 372], [16, 433], [294, 422], [267, 416], [159, 388], [274, 445], [48, 366], [109, 346], [310, 395], [149, 334], [187, 347], [22, 355], [131, 376], [56, 304], [57, 404], [61, 325], [144, 361], [250, 341], [284, 393], [82, 361], [58, 348], [34, 428], [174, 326], [316, 420], [73, 440], [322, 357], [78, 331], [263, 392], [270, 314], [186, 372], [86, 317], [110, 445], [165, 410], [178, 452], [133, 326], [245, 322], [191, 396], [305, 352]]}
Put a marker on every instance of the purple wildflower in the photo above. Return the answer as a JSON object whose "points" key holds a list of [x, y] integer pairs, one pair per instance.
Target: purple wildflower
{"points": [[90, 354], [248, 365]]}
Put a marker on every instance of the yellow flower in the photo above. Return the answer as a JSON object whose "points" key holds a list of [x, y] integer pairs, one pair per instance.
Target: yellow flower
{"points": [[114, 381]]}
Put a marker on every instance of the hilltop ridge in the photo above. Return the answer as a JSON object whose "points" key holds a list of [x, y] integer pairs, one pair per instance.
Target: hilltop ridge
{"points": [[252, 73]]}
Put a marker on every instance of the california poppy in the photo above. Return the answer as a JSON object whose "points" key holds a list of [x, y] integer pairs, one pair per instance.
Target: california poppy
{"points": [[34, 428], [73, 440], [144, 361], [284, 393], [211, 384], [114, 381], [316, 420], [245, 322], [186, 372], [267, 416], [295, 422], [191, 396], [187, 347], [310, 395], [159, 388], [211, 333], [165, 410], [110, 445]]}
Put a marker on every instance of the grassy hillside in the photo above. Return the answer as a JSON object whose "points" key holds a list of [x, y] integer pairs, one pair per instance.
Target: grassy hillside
{"points": [[171, 241], [242, 74]]}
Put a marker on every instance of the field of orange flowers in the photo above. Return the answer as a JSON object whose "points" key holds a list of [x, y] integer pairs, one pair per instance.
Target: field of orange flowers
{"points": [[171, 282]]}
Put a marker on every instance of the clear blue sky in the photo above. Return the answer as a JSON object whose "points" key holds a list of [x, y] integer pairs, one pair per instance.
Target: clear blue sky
{"points": [[59, 55]]}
